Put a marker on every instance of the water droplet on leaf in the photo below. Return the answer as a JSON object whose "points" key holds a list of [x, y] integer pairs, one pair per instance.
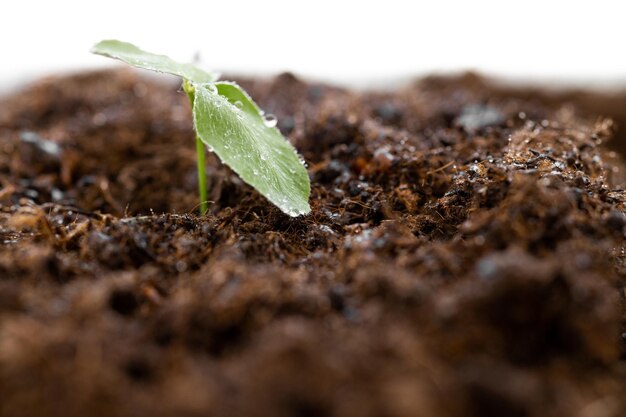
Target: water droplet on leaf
{"points": [[210, 87], [270, 120]]}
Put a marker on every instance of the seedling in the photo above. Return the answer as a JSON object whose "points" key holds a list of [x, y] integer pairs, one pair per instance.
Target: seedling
{"points": [[229, 123]]}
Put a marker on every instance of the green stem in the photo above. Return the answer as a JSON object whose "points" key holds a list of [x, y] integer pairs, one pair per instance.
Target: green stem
{"points": [[200, 154], [204, 205]]}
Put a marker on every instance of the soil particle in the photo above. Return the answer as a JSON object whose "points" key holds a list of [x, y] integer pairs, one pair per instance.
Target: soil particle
{"points": [[464, 255]]}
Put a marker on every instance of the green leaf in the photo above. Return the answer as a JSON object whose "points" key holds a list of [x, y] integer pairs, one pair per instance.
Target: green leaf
{"points": [[136, 57], [232, 126]]}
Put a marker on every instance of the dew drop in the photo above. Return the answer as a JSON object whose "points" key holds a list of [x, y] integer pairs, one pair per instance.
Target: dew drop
{"points": [[270, 120], [210, 87], [239, 104]]}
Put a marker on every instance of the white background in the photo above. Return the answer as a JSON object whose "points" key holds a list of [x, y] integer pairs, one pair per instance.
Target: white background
{"points": [[361, 43]]}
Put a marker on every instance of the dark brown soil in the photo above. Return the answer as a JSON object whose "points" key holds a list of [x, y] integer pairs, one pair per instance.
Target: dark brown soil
{"points": [[464, 256]]}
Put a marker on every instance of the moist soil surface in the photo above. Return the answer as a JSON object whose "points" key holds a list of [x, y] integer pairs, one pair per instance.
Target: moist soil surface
{"points": [[464, 255]]}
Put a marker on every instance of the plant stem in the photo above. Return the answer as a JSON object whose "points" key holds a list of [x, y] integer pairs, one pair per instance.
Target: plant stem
{"points": [[204, 206], [200, 154]]}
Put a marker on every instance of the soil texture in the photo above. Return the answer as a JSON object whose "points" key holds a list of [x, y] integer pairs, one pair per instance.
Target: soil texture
{"points": [[464, 256]]}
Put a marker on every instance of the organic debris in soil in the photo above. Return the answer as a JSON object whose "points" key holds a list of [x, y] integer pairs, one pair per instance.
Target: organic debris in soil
{"points": [[464, 256]]}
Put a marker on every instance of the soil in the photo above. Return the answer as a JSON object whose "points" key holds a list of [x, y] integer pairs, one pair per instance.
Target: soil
{"points": [[465, 255]]}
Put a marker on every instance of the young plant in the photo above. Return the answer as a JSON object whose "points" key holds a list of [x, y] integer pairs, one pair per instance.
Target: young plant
{"points": [[230, 124]]}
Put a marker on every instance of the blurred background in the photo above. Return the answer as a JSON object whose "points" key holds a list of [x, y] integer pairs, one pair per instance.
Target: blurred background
{"points": [[357, 43]]}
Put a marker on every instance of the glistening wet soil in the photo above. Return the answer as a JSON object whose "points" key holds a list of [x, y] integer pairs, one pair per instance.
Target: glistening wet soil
{"points": [[464, 255]]}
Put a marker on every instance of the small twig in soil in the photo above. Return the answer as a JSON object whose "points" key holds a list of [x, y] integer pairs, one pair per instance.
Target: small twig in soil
{"points": [[207, 202], [441, 168]]}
